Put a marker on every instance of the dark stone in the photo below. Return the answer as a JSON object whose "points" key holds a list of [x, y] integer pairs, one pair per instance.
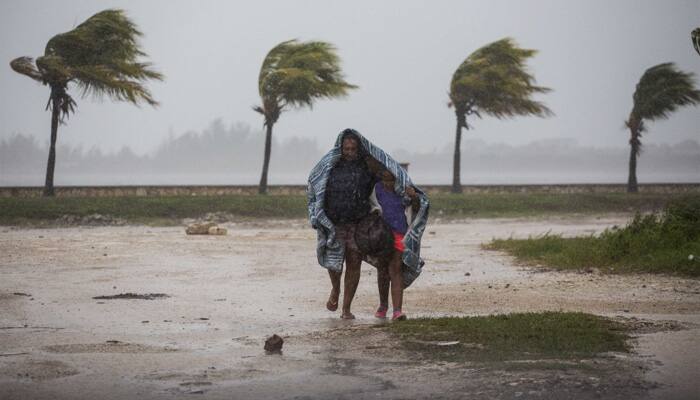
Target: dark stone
{"points": [[273, 344]]}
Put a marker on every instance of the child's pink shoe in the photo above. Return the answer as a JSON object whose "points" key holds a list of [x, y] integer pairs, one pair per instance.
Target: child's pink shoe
{"points": [[398, 316], [381, 312]]}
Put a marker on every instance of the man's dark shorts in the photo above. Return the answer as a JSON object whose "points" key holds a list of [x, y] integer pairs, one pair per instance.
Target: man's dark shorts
{"points": [[345, 234]]}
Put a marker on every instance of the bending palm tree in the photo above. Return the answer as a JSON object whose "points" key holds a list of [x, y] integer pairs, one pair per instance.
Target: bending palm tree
{"points": [[296, 74], [661, 90], [493, 80], [100, 57]]}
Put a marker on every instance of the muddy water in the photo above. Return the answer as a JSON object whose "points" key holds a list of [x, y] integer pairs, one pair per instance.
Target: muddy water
{"points": [[674, 358], [227, 293]]}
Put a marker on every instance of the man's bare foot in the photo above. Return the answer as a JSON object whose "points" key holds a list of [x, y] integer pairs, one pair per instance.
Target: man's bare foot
{"points": [[332, 303], [332, 306], [347, 315]]}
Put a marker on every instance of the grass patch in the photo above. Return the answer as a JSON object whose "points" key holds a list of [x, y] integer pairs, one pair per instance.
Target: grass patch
{"points": [[509, 205], [170, 209], [519, 336], [667, 242], [150, 210]]}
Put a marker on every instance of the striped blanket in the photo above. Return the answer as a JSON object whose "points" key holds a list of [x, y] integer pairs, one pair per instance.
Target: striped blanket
{"points": [[329, 251]]}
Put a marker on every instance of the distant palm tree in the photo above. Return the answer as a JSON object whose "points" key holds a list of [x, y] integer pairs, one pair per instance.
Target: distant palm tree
{"points": [[100, 57], [695, 37], [493, 80], [295, 74], [661, 90]]}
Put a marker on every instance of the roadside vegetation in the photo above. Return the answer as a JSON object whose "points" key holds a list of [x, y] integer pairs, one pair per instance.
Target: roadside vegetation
{"points": [[663, 242], [169, 210], [510, 337]]}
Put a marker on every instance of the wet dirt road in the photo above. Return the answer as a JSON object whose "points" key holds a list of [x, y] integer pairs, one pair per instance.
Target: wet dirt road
{"points": [[227, 293]]}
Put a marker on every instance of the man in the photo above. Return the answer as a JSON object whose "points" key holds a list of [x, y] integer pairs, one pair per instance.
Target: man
{"points": [[338, 194], [349, 186]]}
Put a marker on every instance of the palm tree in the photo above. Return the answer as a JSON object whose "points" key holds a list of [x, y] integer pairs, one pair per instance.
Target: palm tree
{"points": [[294, 74], [493, 80], [100, 56], [695, 37], [661, 90]]}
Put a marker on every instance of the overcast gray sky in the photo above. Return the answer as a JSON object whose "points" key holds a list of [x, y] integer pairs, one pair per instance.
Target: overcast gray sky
{"points": [[401, 53]]}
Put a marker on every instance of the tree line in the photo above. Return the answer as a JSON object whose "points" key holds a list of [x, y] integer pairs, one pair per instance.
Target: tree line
{"points": [[230, 154], [101, 57]]}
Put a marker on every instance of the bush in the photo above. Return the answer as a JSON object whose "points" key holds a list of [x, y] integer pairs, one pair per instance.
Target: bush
{"points": [[667, 242]]}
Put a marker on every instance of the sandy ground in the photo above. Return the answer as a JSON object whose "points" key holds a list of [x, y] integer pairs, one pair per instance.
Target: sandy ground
{"points": [[228, 293]]}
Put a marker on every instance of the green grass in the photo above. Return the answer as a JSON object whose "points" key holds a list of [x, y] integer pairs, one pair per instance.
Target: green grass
{"points": [[655, 243], [520, 336], [504, 205], [169, 209], [154, 210]]}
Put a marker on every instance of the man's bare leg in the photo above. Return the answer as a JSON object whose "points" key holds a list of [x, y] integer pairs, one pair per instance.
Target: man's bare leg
{"points": [[332, 303], [396, 280], [353, 260]]}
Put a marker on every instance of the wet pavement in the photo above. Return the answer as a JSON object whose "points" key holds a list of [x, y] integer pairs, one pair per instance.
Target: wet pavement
{"points": [[674, 358], [228, 293]]}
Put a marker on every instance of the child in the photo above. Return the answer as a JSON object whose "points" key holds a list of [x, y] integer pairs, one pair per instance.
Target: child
{"points": [[393, 213]]}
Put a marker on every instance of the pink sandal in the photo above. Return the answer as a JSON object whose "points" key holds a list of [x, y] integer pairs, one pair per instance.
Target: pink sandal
{"points": [[398, 316], [381, 311]]}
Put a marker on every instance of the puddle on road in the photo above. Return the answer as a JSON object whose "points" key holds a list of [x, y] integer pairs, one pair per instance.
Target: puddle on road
{"points": [[675, 356]]}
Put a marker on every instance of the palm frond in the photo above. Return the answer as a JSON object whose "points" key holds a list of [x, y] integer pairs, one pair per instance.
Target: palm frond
{"points": [[662, 90], [103, 38], [101, 56], [298, 73], [25, 66], [54, 70], [494, 80]]}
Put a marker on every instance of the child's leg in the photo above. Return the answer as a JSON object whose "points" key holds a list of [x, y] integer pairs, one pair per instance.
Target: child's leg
{"points": [[396, 280], [383, 286]]}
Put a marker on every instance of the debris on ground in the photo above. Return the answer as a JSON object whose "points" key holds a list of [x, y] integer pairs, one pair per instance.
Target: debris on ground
{"points": [[205, 228], [199, 228], [146, 296], [216, 230], [273, 344]]}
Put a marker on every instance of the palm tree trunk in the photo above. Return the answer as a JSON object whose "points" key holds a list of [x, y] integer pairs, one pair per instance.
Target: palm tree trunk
{"points": [[456, 165], [51, 163], [262, 189], [634, 152]]}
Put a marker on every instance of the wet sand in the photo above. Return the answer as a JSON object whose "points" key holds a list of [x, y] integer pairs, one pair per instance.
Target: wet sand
{"points": [[227, 293]]}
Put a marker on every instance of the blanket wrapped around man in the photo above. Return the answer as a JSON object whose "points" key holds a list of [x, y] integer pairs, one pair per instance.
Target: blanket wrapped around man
{"points": [[329, 251]]}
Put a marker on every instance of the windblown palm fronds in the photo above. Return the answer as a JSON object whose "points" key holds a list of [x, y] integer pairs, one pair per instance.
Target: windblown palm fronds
{"points": [[295, 74], [100, 57], [662, 90]]}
